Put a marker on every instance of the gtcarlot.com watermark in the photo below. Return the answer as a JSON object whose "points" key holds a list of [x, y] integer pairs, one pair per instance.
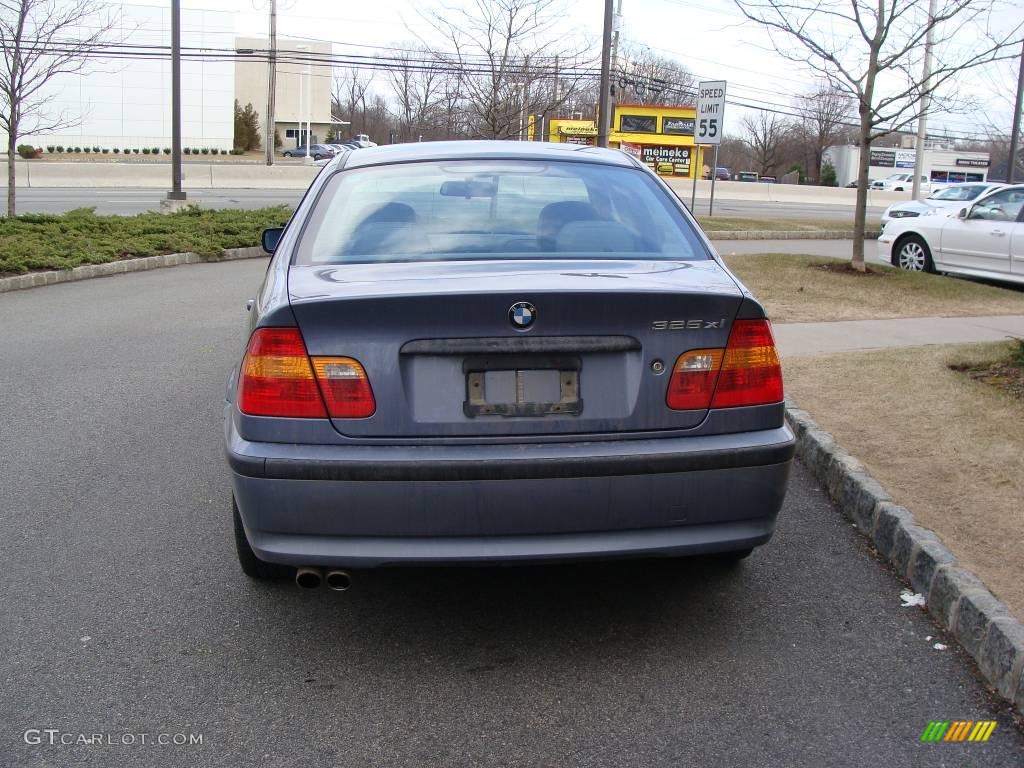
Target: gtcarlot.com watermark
{"points": [[56, 737]]}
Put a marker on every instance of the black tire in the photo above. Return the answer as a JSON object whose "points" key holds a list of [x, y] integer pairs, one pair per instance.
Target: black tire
{"points": [[911, 253], [287, 154], [252, 566]]}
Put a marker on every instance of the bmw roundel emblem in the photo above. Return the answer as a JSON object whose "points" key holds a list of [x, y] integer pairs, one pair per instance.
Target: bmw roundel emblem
{"points": [[522, 314]]}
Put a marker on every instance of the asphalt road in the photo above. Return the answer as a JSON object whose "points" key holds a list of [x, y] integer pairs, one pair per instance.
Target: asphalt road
{"points": [[134, 200], [124, 612]]}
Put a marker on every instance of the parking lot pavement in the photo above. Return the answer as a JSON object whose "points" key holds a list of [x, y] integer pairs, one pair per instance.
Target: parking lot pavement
{"points": [[125, 614]]}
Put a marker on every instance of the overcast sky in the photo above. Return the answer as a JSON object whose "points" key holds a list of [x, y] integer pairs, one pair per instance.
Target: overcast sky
{"points": [[710, 37]]}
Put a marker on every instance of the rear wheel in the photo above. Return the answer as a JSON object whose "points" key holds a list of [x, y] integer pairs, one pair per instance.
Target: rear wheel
{"points": [[912, 254], [252, 566]]}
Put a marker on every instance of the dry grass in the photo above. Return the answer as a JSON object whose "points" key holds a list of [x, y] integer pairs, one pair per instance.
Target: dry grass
{"points": [[798, 288], [948, 448], [712, 224]]}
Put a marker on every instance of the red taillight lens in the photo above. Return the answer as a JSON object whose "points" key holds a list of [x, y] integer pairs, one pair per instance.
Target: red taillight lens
{"points": [[277, 379], [751, 374], [693, 379], [345, 387]]}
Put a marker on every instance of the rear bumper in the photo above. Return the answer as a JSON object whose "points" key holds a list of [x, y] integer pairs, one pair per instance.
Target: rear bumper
{"points": [[364, 506]]}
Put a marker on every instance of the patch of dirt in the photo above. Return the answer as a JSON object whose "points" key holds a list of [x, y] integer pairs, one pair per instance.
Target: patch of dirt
{"points": [[846, 268], [1005, 375]]}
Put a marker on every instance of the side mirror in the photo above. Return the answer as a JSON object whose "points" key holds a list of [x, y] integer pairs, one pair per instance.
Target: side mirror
{"points": [[962, 214], [271, 237]]}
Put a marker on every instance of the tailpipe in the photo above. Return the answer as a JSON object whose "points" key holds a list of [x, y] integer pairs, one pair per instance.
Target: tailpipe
{"points": [[309, 578], [339, 581]]}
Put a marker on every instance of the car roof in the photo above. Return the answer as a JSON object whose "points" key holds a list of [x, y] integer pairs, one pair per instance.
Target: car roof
{"points": [[485, 150]]}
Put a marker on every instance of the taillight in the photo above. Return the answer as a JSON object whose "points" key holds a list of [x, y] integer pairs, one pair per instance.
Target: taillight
{"points": [[746, 372], [693, 379], [751, 374], [345, 387], [278, 379]]}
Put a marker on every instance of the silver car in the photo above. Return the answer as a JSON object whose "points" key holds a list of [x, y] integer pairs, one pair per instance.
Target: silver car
{"points": [[493, 352]]}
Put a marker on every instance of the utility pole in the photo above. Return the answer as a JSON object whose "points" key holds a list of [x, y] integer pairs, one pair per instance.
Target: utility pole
{"points": [[926, 98], [175, 193], [271, 84], [1015, 133], [603, 116], [524, 127]]}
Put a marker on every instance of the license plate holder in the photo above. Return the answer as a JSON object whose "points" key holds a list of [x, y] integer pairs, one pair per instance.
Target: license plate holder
{"points": [[517, 383]]}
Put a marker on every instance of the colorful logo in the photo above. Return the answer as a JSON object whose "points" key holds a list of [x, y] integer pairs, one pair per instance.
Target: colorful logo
{"points": [[958, 730]]}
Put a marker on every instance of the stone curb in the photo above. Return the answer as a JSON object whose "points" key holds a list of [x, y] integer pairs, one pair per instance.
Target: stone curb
{"points": [[957, 599], [88, 271], [826, 234]]}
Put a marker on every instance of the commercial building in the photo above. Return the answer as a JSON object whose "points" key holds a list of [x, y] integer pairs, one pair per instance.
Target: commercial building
{"points": [[126, 103], [941, 164], [660, 136], [303, 86]]}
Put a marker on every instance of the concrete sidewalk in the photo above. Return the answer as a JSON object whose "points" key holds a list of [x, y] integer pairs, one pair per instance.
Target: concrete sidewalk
{"points": [[809, 339]]}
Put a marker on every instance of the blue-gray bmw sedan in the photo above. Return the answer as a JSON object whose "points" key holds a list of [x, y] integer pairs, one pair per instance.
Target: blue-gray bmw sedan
{"points": [[494, 352]]}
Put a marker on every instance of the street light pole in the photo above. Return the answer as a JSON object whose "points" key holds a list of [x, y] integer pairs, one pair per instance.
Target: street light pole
{"points": [[922, 120], [603, 118], [1015, 132], [176, 192], [271, 84]]}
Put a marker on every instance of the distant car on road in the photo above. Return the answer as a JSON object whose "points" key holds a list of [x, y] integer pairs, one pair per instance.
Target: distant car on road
{"points": [[983, 239], [316, 151], [495, 352], [901, 182], [769, 180], [746, 176], [945, 201], [723, 174]]}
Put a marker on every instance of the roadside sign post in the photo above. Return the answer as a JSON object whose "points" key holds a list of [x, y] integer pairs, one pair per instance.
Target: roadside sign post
{"points": [[694, 162], [710, 117]]}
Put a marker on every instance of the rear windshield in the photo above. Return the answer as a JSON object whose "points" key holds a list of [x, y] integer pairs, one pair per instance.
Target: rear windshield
{"points": [[462, 210]]}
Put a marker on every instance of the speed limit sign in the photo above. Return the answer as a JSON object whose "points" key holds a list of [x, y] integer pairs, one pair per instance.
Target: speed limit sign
{"points": [[710, 112]]}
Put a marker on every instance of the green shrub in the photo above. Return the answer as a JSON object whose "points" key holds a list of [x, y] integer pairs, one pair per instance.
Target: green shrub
{"points": [[167, 150], [205, 150], [78, 149], [828, 175], [87, 150], [45, 241], [117, 150], [187, 150], [237, 151], [155, 151], [50, 148], [135, 150], [27, 151], [127, 151], [96, 150], [60, 147], [1017, 353], [145, 150], [106, 151]]}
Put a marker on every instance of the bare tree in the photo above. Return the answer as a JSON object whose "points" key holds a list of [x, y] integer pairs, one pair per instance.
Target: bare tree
{"points": [[823, 115], [418, 85], [39, 40], [871, 50], [765, 132], [501, 47], [349, 92], [646, 78]]}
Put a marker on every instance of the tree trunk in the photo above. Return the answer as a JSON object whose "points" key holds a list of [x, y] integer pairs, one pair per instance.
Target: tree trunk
{"points": [[860, 211], [11, 142]]}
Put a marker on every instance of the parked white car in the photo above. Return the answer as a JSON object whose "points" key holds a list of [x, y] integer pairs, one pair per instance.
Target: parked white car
{"points": [[901, 182], [982, 239], [946, 201]]}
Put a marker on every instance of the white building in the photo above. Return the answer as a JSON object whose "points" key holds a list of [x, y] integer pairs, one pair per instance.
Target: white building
{"points": [[126, 103], [940, 165], [303, 86]]}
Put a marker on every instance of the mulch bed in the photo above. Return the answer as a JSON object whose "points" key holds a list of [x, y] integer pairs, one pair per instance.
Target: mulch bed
{"points": [[846, 268], [1004, 374]]}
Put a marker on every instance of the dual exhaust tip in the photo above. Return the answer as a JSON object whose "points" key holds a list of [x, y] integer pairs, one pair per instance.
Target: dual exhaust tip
{"points": [[314, 578]]}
